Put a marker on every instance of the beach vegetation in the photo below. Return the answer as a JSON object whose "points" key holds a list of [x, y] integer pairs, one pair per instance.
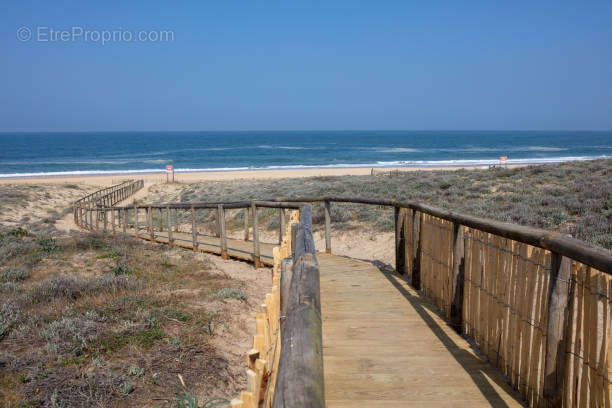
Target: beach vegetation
{"points": [[92, 320], [573, 198]]}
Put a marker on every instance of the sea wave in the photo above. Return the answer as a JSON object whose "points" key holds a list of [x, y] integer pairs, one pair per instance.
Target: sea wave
{"points": [[379, 164], [396, 150], [467, 149], [283, 147], [91, 162], [544, 149]]}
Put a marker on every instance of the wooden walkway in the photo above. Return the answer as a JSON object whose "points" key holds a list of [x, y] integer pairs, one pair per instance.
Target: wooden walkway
{"points": [[236, 248], [385, 346]]}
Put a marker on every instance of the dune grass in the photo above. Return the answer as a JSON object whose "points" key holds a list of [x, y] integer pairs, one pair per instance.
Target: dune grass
{"points": [[93, 320], [573, 198]]}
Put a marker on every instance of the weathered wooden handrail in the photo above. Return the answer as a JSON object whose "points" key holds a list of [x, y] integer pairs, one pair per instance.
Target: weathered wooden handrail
{"points": [[300, 372], [111, 194], [102, 199]]}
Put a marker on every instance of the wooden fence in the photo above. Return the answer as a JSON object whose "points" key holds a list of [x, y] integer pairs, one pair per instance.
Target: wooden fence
{"points": [[536, 303], [263, 358]]}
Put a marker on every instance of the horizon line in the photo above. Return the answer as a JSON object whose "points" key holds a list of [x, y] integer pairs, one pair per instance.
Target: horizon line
{"points": [[302, 130]]}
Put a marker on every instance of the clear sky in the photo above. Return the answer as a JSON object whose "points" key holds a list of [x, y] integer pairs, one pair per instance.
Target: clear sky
{"points": [[271, 65]]}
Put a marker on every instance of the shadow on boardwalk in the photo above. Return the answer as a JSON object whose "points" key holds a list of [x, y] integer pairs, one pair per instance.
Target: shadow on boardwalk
{"points": [[425, 309]]}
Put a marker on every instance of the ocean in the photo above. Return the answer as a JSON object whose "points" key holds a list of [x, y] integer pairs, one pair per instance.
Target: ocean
{"points": [[60, 154]]}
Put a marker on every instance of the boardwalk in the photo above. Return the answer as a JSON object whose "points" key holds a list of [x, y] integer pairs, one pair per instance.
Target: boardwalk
{"points": [[236, 248], [523, 295], [384, 346]]}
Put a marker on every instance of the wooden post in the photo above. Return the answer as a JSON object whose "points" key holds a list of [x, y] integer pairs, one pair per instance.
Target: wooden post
{"points": [[150, 224], [281, 224], [112, 213], [90, 219], [194, 231], [558, 298], [176, 222], [327, 227], [105, 220], [256, 259], [161, 220], [417, 228], [246, 224], [223, 238], [284, 220], [400, 240], [136, 226], [169, 215], [217, 225], [285, 286], [456, 309], [124, 216], [294, 230]]}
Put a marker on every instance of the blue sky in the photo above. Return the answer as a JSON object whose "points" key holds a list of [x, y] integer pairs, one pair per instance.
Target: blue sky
{"points": [[245, 65]]}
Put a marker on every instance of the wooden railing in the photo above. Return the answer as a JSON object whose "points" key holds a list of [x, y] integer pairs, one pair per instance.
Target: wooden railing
{"points": [[110, 196], [92, 204], [537, 303], [121, 218]]}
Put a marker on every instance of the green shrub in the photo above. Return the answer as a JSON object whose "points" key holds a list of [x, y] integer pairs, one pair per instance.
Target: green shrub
{"points": [[14, 275], [230, 293]]}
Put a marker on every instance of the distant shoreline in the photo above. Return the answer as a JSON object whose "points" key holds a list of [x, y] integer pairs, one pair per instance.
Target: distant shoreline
{"points": [[194, 176], [451, 164]]}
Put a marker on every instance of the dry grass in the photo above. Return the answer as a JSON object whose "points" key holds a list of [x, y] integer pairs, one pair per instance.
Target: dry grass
{"points": [[37, 207], [92, 321]]}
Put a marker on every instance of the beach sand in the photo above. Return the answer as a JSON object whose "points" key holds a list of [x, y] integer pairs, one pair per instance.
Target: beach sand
{"points": [[106, 180]]}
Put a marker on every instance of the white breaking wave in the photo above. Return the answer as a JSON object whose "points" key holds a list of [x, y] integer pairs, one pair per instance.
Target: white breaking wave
{"points": [[544, 149], [397, 150], [467, 149], [380, 164], [283, 147]]}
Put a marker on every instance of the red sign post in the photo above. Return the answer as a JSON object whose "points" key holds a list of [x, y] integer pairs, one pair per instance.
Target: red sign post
{"points": [[169, 169], [503, 160]]}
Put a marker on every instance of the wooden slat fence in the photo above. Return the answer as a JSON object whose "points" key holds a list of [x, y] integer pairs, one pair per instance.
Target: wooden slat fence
{"points": [[263, 359]]}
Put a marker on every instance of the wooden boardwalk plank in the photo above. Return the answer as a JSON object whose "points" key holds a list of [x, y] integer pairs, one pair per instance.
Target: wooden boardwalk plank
{"points": [[385, 346]]}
